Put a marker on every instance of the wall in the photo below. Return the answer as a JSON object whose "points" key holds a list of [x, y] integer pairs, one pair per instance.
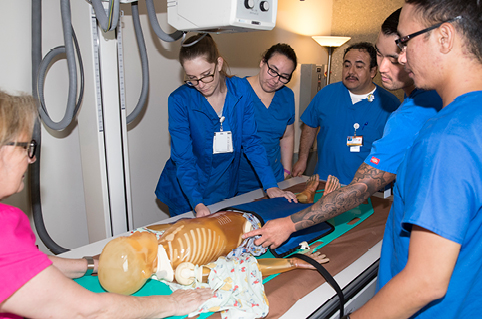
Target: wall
{"points": [[148, 137], [63, 169], [360, 20], [63, 164]]}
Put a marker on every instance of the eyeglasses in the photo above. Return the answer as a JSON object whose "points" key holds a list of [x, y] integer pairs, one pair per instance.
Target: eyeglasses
{"points": [[30, 147], [205, 79], [282, 78], [402, 42]]}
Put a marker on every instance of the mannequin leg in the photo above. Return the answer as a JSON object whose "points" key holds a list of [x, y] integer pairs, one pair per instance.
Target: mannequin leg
{"points": [[271, 266], [332, 184], [308, 195]]}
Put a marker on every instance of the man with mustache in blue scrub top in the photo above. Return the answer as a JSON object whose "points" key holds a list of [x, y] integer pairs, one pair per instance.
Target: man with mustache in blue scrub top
{"points": [[351, 115]]}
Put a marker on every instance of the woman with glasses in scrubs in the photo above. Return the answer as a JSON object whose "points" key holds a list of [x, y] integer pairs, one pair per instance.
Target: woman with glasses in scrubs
{"points": [[34, 285], [274, 109], [211, 118]]}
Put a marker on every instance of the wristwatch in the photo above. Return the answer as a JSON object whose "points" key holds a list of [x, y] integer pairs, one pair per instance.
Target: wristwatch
{"points": [[90, 266]]}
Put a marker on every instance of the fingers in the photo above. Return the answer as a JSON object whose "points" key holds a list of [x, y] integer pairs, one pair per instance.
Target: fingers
{"points": [[202, 213], [252, 233], [290, 197], [187, 301], [261, 241]]}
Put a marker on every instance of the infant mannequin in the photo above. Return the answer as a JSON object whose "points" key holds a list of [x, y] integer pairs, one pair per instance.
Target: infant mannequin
{"points": [[126, 263]]}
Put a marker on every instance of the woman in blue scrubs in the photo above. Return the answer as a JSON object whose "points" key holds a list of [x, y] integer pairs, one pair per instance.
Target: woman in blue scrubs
{"points": [[274, 109], [211, 118]]}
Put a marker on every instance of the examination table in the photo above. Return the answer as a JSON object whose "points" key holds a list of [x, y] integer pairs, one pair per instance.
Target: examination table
{"points": [[305, 294]]}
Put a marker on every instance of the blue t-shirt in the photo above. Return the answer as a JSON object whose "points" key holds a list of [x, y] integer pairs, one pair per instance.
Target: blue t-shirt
{"points": [[271, 123], [401, 129], [333, 111], [439, 188]]}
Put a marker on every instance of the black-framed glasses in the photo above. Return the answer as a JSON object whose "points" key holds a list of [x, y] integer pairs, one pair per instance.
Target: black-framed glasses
{"points": [[205, 79], [30, 147], [402, 42], [282, 78]]}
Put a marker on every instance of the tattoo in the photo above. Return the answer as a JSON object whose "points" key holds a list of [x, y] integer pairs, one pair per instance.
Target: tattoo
{"points": [[366, 182]]}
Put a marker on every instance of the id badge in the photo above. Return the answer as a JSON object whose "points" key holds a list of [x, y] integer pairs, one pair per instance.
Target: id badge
{"points": [[223, 142], [355, 143]]}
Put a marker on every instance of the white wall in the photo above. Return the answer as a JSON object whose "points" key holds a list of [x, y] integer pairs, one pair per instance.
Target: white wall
{"points": [[62, 167]]}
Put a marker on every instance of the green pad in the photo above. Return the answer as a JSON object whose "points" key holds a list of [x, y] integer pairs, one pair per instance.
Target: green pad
{"points": [[342, 224]]}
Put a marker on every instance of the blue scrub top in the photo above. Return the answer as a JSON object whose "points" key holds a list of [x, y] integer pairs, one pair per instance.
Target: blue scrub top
{"points": [[333, 111], [194, 174], [271, 123], [439, 188], [401, 129]]}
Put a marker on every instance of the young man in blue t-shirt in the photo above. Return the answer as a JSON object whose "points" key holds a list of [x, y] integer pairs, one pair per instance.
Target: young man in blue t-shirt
{"points": [[431, 260]]}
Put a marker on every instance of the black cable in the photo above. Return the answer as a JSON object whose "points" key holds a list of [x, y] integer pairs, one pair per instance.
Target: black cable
{"points": [[34, 169], [328, 277]]}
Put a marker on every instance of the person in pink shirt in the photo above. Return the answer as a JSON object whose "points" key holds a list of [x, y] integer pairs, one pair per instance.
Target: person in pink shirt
{"points": [[35, 285]]}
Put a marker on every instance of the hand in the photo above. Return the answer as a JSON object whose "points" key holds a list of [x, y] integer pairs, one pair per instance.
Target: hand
{"points": [[201, 210], [275, 192], [273, 233], [187, 301], [299, 168]]}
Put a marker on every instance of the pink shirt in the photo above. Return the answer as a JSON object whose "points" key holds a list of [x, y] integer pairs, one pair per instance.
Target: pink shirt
{"points": [[20, 259]]}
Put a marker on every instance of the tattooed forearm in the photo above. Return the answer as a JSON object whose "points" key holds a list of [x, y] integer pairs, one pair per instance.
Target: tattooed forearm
{"points": [[366, 182]]}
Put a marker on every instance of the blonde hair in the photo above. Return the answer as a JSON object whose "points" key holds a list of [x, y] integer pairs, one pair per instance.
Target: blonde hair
{"points": [[17, 116]]}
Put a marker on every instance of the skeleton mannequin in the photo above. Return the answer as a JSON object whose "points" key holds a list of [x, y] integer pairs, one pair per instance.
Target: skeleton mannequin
{"points": [[126, 263]]}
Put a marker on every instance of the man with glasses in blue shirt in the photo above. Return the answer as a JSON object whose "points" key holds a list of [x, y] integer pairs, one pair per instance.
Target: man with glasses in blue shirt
{"points": [[351, 115], [431, 260]]}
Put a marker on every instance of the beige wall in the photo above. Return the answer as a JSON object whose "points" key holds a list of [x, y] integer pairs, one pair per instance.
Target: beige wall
{"points": [[296, 22], [360, 20]]}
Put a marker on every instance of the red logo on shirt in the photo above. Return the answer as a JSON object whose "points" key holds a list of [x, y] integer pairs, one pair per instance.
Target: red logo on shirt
{"points": [[375, 160]]}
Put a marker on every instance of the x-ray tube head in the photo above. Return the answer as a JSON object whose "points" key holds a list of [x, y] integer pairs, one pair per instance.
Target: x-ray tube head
{"points": [[222, 16]]}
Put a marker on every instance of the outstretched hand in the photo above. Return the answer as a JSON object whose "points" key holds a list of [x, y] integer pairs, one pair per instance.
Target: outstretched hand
{"points": [[274, 192], [189, 300], [273, 233]]}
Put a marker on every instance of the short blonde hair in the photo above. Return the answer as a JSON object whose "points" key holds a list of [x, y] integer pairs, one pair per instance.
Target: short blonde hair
{"points": [[17, 116]]}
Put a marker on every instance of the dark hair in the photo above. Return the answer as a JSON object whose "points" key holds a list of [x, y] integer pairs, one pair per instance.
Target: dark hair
{"points": [[204, 47], [470, 26], [389, 26], [368, 48], [281, 48]]}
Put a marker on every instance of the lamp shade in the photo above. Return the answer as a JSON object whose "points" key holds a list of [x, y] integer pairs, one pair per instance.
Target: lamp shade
{"points": [[329, 41]]}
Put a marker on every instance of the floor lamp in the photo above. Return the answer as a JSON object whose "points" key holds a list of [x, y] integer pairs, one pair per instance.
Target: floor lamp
{"points": [[331, 43]]}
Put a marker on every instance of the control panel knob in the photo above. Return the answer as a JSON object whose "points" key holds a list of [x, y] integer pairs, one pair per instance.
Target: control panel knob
{"points": [[249, 4], [264, 5]]}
